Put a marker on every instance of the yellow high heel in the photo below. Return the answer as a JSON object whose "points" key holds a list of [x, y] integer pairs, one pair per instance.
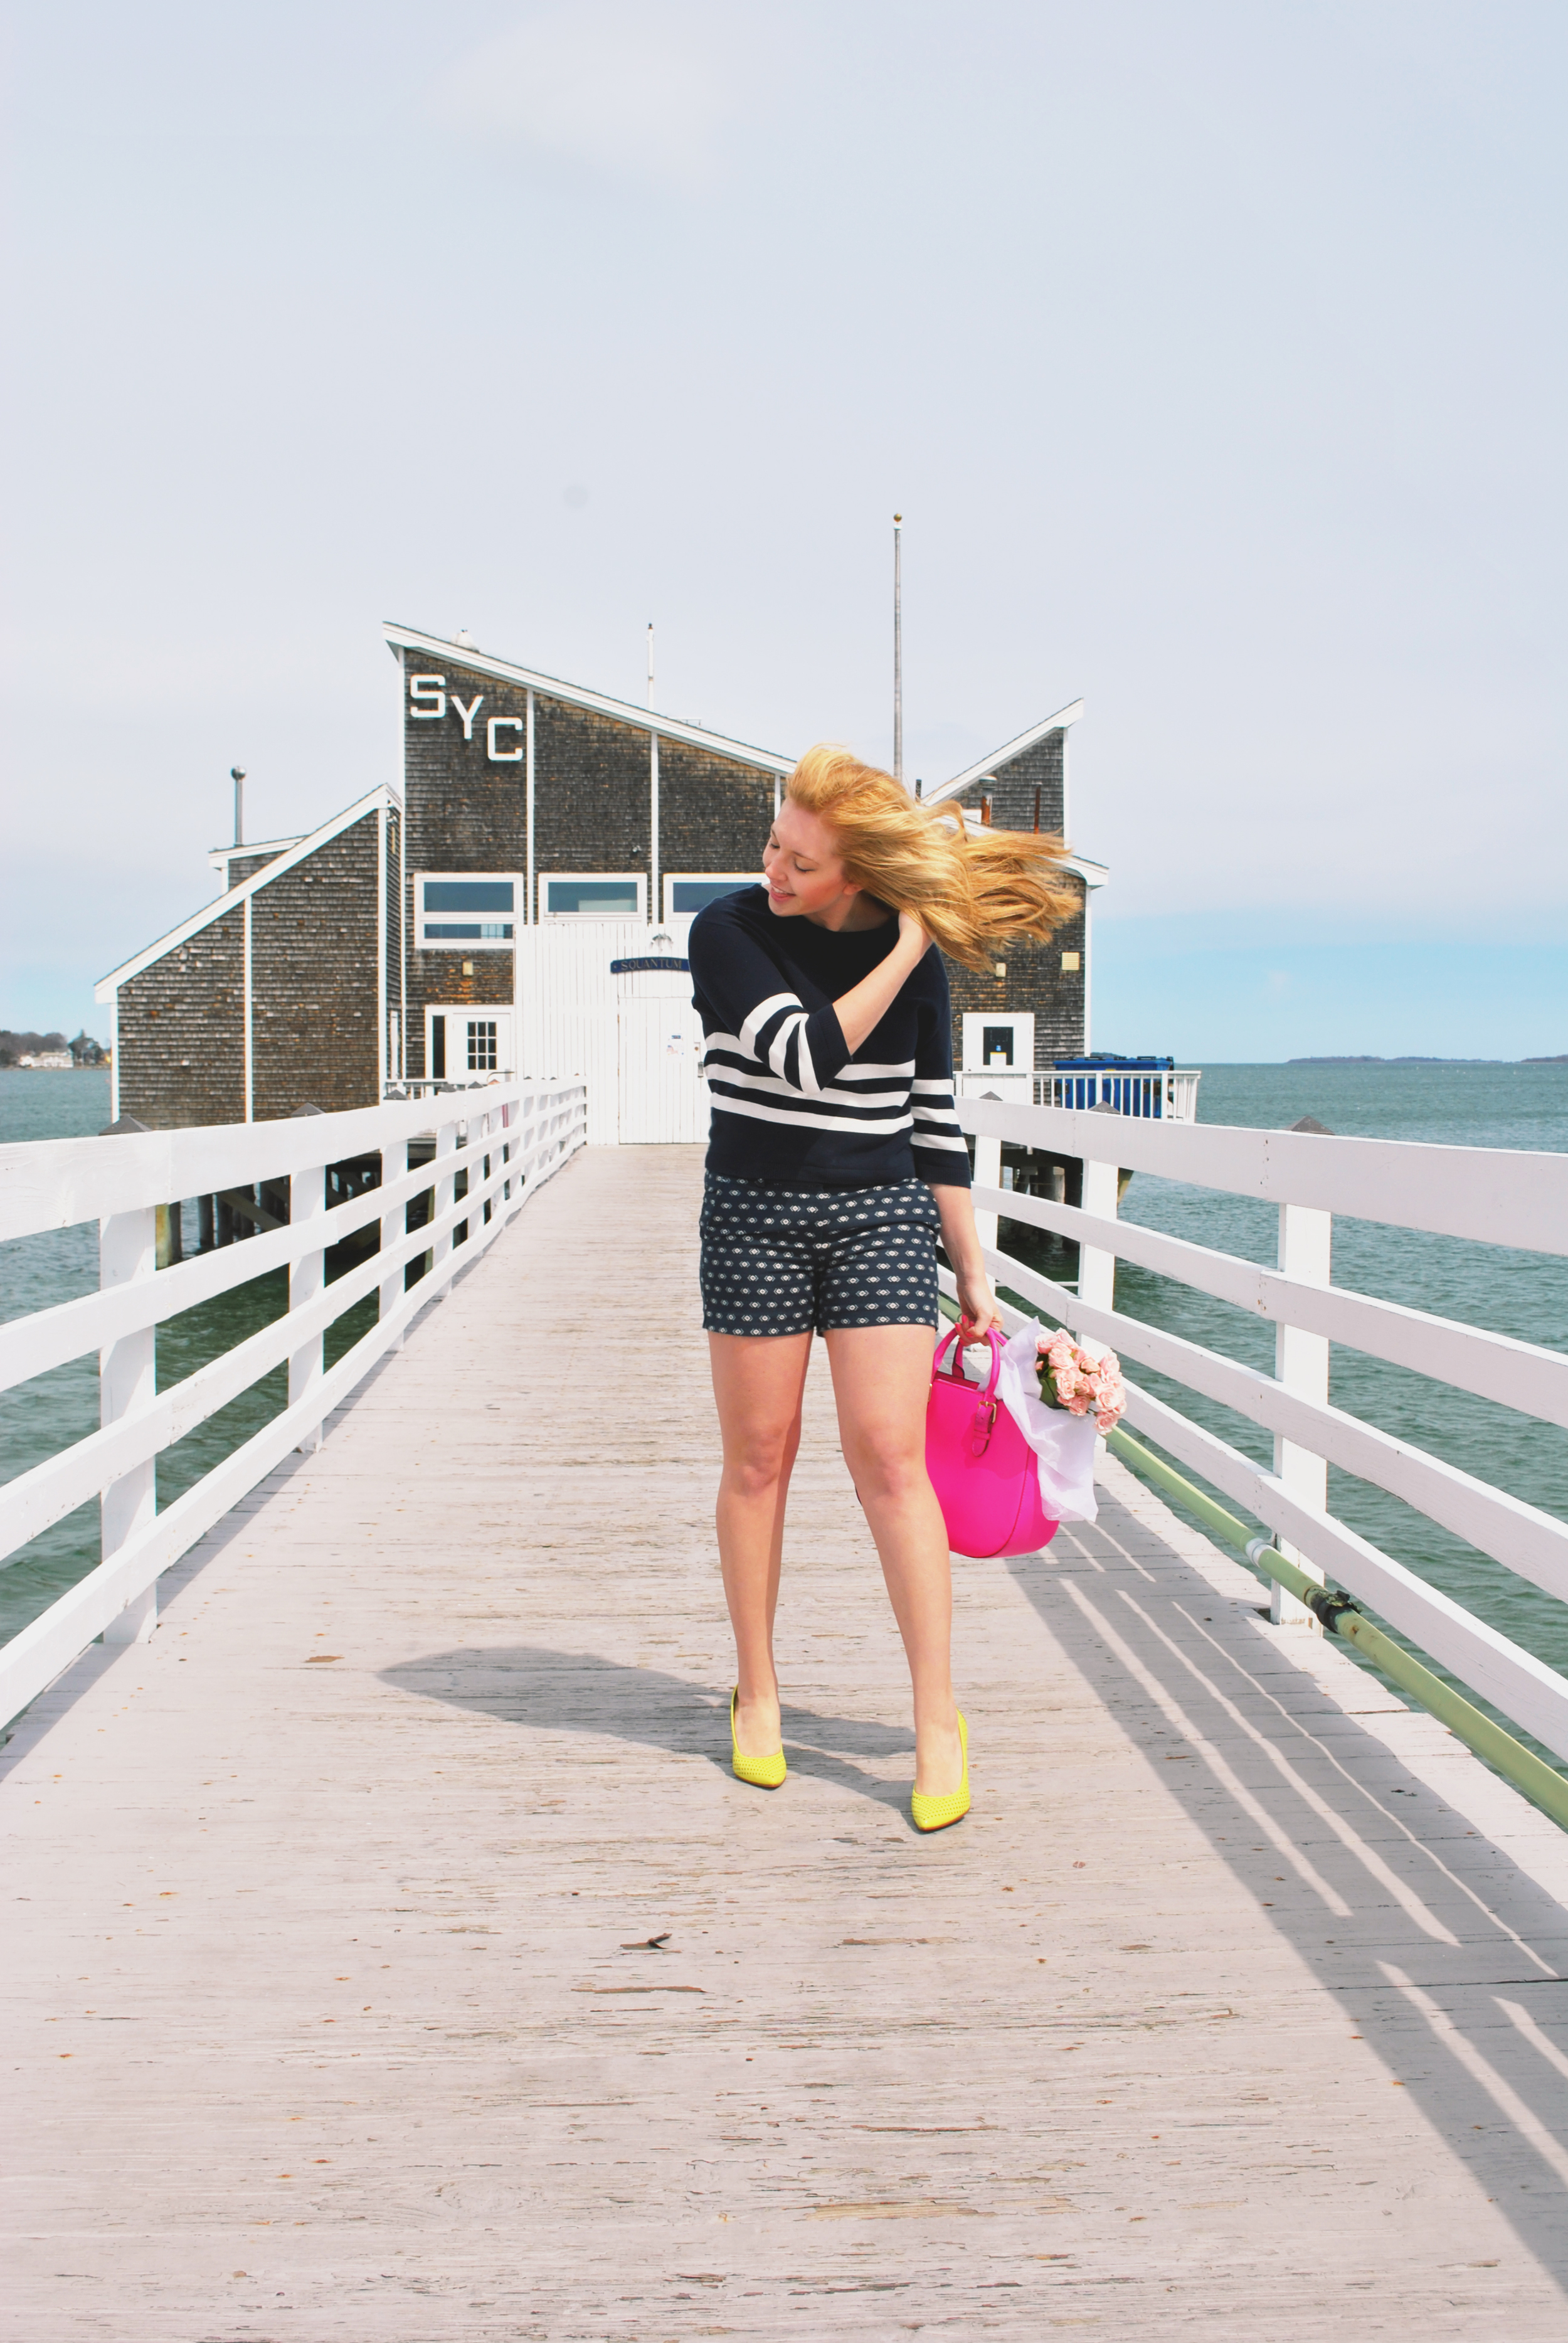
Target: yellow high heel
{"points": [[762, 1773], [936, 1814]]}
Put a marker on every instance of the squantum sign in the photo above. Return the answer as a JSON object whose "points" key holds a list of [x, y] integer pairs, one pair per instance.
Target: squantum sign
{"points": [[428, 698]]}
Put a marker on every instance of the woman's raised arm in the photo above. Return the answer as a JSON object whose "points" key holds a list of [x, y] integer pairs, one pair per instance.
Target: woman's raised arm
{"points": [[866, 1004]]}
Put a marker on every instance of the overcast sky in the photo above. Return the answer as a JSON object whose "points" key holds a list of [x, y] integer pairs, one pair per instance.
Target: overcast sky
{"points": [[1214, 354]]}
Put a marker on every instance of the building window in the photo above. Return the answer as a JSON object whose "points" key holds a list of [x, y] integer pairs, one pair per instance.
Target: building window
{"points": [[593, 895], [481, 1045], [686, 892], [476, 910]]}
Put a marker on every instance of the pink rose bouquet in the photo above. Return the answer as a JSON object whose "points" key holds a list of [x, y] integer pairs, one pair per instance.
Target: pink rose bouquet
{"points": [[1076, 1380]]}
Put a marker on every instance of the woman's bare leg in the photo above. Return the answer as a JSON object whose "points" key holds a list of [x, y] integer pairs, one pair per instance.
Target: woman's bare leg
{"points": [[758, 1380], [881, 1380]]}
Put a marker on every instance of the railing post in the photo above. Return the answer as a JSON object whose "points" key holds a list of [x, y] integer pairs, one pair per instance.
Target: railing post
{"points": [[445, 1194], [988, 1174], [1096, 1268], [307, 1279], [1301, 1365], [127, 1379], [394, 1225]]}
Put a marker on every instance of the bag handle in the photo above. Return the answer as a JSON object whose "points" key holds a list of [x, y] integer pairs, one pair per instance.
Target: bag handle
{"points": [[955, 1372]]}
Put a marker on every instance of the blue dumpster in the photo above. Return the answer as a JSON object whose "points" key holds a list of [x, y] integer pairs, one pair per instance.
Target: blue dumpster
{"points": [[1131, 1085]]}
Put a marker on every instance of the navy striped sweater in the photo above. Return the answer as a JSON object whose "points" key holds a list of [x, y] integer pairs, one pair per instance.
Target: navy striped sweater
{"points": [[791, 1105]]}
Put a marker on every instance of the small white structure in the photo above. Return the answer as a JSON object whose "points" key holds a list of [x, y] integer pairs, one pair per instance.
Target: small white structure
{"points": [[997, 1060]]}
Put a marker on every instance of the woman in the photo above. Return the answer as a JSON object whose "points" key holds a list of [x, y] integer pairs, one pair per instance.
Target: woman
{"points": [[833, 1158]]}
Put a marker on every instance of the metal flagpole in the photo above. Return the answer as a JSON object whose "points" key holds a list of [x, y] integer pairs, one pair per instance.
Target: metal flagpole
{"points": [[651, 662], [236, 775], [898, 647]]}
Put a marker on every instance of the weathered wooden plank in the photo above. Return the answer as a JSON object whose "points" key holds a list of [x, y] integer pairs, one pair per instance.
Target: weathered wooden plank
{"points": [[1214, 2019]]}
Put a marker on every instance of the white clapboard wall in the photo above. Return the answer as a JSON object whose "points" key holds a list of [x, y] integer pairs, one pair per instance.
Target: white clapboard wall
{"points": [[635, 1038]]}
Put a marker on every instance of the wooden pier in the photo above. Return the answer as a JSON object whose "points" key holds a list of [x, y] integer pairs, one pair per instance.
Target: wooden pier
{"points": [[1236, 2008]]}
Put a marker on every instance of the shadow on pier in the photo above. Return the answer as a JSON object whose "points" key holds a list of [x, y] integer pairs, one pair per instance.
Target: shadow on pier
{"points": [[1445, 1956], [541, 1690]]}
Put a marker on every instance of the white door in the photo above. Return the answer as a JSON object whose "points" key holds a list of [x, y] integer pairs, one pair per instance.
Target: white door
{"points": [[663, 1098], [468, 1042]]}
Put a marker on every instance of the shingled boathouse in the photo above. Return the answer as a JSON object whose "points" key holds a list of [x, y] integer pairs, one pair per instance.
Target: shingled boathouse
{"points": [[522, 904]]}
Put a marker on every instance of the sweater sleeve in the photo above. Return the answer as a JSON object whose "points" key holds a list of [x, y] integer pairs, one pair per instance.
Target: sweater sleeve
{"points": [[941, 1157], [758, 1016]]}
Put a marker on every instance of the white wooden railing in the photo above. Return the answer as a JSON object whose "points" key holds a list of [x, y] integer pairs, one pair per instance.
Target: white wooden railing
{"points": [[423, 1087], [1490, 1195], [1168, 1094], [508, 1145]]}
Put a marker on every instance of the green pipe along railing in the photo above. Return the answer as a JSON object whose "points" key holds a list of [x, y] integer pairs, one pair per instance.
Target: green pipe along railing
{"points": [[1341, 1615]]}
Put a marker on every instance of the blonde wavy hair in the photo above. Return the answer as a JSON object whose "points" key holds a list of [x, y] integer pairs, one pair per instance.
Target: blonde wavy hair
{"points": [[968, 888]]}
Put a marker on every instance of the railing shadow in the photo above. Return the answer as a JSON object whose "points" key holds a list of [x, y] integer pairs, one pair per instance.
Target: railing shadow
{"points": [[1444, 1956], [543, 1690]]}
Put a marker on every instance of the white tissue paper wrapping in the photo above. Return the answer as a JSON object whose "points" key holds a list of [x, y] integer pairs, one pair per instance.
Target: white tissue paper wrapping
{"points": [[1063, 1444]]}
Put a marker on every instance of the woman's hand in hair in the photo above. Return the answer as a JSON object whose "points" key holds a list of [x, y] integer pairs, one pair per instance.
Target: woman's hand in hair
{"points": [[864, 1006], [912, 936]]}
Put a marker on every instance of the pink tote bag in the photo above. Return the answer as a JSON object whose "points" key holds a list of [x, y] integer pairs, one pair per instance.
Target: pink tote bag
{"points": [[982, 1469]]}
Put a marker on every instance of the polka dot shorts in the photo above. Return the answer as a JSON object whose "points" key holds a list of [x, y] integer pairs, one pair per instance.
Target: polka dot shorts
{"points": [[784, 1261]]}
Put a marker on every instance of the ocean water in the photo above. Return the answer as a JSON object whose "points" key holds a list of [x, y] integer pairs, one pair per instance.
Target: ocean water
{"points": [[1525, 1294]]}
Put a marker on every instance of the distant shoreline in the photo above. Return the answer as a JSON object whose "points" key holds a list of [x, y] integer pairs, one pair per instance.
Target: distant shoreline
{"points": [[1561, 1059]]}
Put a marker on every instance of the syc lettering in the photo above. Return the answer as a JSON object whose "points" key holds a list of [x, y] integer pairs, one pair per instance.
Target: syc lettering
{"points": [[428, 698]]}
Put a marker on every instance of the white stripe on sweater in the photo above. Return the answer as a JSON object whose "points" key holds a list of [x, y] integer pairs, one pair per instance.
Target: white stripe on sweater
{"points": [[724, 1104], [717, 1067], [760, 1015]]}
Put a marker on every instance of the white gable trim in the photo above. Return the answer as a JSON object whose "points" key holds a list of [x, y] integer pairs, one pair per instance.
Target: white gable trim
{"points": [[986, 768], [550, 687], [107, 986], [220, 855]]}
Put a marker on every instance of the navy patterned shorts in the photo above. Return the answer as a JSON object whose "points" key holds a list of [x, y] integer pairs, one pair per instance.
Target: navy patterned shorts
{"points": [[784, 1261]]}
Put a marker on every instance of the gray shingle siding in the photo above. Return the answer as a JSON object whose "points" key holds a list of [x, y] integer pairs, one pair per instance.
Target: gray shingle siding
{"points": [[313, 976], [181, 1032], [314, 1008], [242, 867], [1035, 980], [1012, 789], [713, 814], [393, 1000], [592, 791]]}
